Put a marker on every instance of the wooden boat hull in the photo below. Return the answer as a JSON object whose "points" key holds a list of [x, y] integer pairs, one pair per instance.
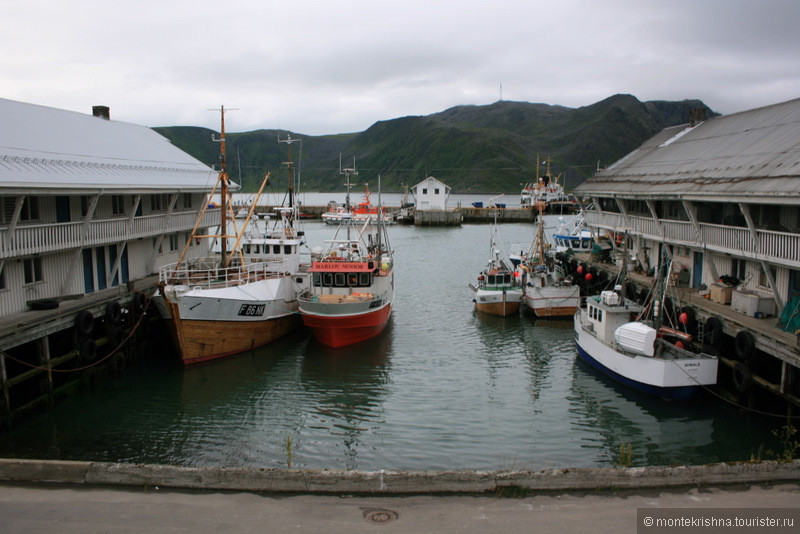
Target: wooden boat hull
{"points": [[500, 303], [553, 302], [202, 340], [342, 330], [502, 309]]}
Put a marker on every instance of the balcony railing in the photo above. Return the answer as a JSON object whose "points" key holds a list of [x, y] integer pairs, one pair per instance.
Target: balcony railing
{"points": [[771, 246], [41, 238]]}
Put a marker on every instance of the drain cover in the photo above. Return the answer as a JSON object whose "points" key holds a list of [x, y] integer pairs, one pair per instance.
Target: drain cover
{"points": [[379, 515]]}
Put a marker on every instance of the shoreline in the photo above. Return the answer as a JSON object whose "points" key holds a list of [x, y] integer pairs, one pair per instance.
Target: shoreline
{"points": [[390, 482]]}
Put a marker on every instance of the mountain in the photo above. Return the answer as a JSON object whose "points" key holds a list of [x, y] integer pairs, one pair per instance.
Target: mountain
{"points": [[490, 148]]}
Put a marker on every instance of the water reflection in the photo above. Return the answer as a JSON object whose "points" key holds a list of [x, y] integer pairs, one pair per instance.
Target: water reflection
{"points": [[347, 385], [660, 432]]}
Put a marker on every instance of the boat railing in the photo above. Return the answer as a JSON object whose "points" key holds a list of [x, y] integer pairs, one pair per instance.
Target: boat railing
{"points": [[207, 273]]}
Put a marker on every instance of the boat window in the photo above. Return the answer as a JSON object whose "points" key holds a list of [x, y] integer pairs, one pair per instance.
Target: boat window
{"points": [[276, 249], [339, 280], [247, 249], [317, 279], [585, 244], [287, 249], [599, 315], [364, 279], [507, 279], [490, 280], [327, 279], [352, 279]]}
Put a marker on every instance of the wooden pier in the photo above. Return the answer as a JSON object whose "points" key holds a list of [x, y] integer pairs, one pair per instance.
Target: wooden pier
{"points": [[45, 354]]}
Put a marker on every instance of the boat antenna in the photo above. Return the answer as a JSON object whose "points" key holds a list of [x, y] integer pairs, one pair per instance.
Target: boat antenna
{"points": [[224, 183]]}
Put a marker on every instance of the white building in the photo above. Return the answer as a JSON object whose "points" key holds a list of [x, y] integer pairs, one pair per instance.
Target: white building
{"points": [[723, 193], [430, 194], [88, 203]]}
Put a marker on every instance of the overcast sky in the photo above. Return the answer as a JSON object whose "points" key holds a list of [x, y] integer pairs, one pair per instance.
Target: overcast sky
{"points": [[329, 66]]}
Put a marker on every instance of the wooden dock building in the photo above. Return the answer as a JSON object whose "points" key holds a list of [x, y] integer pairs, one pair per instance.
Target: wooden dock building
{"points": [[89, 210], [724, 196]]}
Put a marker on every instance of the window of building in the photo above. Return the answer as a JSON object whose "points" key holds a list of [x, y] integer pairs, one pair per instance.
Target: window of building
{"points": [[32, 268], [117, 205], [187, 201], [424, 190], [739, 269], [2, 279], [763, 281], [173, 242], [30, 209], [157, 203], [436, 191]]}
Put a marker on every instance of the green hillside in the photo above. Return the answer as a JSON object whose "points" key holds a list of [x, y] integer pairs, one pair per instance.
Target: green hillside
{"points": [[471, 148]]}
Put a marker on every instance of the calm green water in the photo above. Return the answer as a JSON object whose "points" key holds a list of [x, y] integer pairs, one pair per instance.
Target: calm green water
{"points": [[442, 388]]}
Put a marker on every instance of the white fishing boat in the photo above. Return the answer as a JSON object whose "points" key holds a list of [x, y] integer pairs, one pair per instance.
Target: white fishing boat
{"points": [[637, 346], [548, 291], [242, 298], [498, 291]]}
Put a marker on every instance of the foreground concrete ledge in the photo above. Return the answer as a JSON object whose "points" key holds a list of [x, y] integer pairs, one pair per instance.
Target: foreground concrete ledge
{"points": [[391, 482]]}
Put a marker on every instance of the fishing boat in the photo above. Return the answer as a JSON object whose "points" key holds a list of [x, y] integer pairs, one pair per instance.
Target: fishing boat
{"points": [[337, 214], [498, 291], [345, 213], [367, 210], [547, 191], [641, 346], [237, 300], [352, 285], [548, 291]]}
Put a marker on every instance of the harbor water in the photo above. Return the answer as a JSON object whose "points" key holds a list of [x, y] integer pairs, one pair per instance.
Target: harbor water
{"points": [[443, 387]]}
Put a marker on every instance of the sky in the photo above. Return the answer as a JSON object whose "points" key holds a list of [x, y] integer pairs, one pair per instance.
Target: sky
{"points": [[320, 67]]}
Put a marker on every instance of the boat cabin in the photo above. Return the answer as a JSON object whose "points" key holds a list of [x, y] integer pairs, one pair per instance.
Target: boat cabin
{"points": [[608, 311]]}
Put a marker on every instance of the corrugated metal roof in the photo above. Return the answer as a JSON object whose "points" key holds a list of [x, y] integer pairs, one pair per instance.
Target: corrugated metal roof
{"points": [[754, 153], [43, 147]]}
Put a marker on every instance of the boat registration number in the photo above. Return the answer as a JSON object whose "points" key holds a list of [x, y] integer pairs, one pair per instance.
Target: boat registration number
{"points": [[252, 310]]}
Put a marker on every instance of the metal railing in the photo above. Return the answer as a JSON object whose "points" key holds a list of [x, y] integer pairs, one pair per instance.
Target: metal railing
{"points": [[207, 273], [40, 238], [734, 240]]}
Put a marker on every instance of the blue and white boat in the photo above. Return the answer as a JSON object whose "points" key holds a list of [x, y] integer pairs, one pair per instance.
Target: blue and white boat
{"points": [[632, 344]]}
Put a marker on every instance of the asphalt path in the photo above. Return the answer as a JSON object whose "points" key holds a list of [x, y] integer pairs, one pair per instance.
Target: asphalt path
{"points": [[41, 508]]}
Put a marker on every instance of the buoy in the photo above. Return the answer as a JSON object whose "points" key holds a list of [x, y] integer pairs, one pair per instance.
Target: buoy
{"points": [[589, 277], [579, 270], [683, 318], [679, 344]]}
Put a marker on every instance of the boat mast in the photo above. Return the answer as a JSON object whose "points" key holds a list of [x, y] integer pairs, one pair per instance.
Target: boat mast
{"points": [[224, 185], [347, 172], [290, 165]]}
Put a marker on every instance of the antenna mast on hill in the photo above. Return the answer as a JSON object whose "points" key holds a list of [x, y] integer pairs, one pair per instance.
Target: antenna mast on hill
{"points": [[501, 91]]}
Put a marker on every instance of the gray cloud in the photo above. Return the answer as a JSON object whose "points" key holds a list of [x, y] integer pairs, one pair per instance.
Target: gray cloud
{"points": [[340, 66]]}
